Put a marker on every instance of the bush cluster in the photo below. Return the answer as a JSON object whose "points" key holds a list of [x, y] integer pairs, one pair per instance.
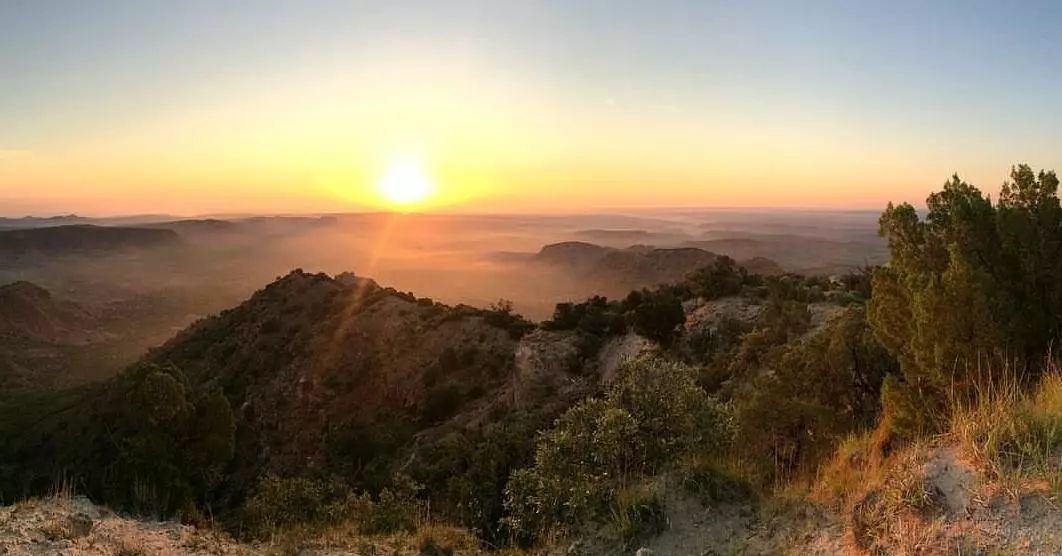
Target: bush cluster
{"points": [[650, 416], [301, 502]]}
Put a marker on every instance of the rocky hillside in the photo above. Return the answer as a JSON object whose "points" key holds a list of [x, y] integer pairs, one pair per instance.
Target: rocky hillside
{"points": [[337, 375], [317, 392], [342, 376], [322, 376], [327, 377]]}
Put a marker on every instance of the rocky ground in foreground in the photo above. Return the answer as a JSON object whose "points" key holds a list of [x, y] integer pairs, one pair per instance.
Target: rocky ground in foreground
{"points": [[960, 512], [76, 526]]}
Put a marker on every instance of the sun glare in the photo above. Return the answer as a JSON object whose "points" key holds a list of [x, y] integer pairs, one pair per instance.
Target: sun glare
{"points": [[405, 183]]}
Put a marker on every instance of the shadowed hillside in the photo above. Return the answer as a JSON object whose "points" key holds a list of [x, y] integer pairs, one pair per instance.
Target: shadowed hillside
{"points": [[81, 239], [30, 311], [40, 336]]}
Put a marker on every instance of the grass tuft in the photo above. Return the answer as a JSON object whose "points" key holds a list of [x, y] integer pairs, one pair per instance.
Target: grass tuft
{"points": [[1015, 435]]}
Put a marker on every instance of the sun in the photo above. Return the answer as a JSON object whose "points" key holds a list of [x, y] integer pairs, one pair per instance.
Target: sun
{"points": [[405, 182]]}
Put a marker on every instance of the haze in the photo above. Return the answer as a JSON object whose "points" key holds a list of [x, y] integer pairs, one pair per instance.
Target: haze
{"points": [[220, 107]]}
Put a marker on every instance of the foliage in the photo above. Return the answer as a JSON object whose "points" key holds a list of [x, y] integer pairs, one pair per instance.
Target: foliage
{"points": [[812, 394], [649, 417], [595, 319], [970, 282], [655, 314], [741, 352], [859, 283], [147, 442], [465, 472], [501, 315], [304, 502], [712, 347], [720, 279], [363, 454]]}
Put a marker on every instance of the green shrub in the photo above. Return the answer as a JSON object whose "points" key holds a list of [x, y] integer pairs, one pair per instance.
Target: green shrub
{"points": [[500, 315], [465, 472], [280, 504], [655, 314], [809, 396], [396, 509], [595, 319], [650, 416], [972, 281], [148, 443], [720, 279]]}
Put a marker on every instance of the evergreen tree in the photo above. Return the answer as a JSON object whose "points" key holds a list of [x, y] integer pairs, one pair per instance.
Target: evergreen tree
{"points": [[972, 282]]}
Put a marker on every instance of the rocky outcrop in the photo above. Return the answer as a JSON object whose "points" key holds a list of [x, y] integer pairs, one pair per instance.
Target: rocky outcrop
{"points": [[617, 351], [542, 361]]}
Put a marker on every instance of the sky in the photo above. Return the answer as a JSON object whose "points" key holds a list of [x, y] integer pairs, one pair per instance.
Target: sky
{"points": [[219, 106]]}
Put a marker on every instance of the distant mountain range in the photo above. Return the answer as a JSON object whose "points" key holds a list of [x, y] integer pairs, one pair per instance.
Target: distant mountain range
{"points": [[70, 235], [801, 254], [615, 271], [80, 239]]}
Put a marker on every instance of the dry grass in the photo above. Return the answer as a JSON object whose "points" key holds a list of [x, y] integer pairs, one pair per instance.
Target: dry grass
{"points": [[846, 474], [860, 461], [636, 512], [1007, 433], [429, 537], [1015, 435], [1011, 433], [129, 548]]}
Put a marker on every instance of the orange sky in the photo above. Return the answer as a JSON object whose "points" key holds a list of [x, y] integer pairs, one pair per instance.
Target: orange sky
{"points": [[201, 108]]}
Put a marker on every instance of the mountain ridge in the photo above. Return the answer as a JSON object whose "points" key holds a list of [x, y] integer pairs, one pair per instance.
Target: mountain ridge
{"points": [[80, 239]]}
